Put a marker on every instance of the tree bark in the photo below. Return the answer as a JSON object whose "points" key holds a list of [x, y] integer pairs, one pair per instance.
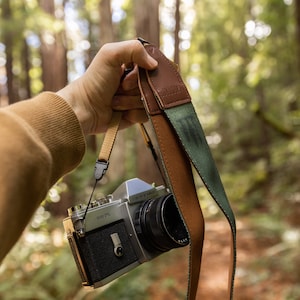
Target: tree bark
{"points": [[53, 54], [26, 67], [147, 20], [106, 24], [176, 33], [297, 17], [8, 41]]}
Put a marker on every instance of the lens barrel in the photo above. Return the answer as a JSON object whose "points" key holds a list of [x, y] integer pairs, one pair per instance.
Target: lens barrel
{"points": [[159, 225]]}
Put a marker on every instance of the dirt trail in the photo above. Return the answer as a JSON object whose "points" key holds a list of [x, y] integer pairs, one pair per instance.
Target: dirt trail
{"points": [[251, 282]]}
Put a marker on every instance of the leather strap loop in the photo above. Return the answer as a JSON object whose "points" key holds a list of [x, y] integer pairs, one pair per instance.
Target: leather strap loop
{"points": [[171, 91]]}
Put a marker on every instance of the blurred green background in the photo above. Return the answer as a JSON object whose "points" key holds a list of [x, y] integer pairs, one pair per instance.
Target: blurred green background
{"points": [[241, 63]]}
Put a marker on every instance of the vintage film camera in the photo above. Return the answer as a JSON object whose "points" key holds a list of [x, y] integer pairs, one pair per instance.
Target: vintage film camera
{"points": [[134, 224]]}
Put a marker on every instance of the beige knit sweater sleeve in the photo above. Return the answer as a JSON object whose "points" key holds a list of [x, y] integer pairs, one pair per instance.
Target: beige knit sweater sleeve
{"points": [[40, 140]]}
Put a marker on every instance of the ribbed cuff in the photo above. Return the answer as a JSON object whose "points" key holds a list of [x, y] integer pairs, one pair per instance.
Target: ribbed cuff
{"points": [[55, 123]]}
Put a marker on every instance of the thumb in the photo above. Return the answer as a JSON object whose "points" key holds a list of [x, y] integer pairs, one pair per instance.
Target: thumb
{"points": [[128, 52]]}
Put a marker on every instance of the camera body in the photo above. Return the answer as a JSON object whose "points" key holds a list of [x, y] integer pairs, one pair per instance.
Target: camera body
{"points": [[115, 234]]}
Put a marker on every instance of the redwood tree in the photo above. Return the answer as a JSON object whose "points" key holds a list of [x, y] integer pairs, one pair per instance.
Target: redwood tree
{"points": [[8, 37], [53, 53]]}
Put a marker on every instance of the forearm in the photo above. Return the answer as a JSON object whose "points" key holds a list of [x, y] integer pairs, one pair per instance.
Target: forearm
{"points": [[40, 140]]}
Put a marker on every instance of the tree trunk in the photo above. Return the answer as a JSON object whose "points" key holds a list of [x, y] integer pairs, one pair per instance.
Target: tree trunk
{"points": [[265, 139], [147, 20], [53, 54], [106, 24], [8, 41], [176, 33], [26, 66], [297, 17]]}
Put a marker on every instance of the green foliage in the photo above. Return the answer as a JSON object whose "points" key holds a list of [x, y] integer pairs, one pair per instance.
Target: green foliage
{"points": [[245, 88], [83, 176], [135, 285], [39, 267], [132, 286], [238, 76]]}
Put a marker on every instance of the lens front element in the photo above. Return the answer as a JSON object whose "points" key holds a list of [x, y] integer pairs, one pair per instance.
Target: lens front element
{"points": [[159, 225]]}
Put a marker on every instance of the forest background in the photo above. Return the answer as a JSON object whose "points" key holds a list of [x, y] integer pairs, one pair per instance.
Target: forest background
{"points": [[241, 63]]}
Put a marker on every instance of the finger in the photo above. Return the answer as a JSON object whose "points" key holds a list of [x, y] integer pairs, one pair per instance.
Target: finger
{"points": [[132, 92], [125, 70], [121, 102], [130, 81], [128, 52], [132, 117]]}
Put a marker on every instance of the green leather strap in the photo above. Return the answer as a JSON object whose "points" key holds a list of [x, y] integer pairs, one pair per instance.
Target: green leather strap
{"points": [[189, 130]]}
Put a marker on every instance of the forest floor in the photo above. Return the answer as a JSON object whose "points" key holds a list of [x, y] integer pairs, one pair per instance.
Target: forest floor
{"points": [[256, 277], [267, 268]]}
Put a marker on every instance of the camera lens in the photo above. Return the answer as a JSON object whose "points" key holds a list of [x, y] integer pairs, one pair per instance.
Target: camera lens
{"points": [[159, 225]]}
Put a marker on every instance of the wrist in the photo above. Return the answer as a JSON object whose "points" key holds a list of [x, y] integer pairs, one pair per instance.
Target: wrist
{"points": [[71, 96]]}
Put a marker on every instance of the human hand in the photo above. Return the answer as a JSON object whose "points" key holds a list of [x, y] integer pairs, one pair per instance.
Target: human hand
{"points": [[99, 91]]}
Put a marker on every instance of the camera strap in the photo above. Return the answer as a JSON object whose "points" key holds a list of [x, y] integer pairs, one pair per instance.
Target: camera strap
{"points": [[181, 143], [102, 162]]}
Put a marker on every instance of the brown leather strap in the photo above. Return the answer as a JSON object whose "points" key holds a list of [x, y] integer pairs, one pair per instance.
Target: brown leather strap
{"points": [[181, 182], [163, 91]]}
